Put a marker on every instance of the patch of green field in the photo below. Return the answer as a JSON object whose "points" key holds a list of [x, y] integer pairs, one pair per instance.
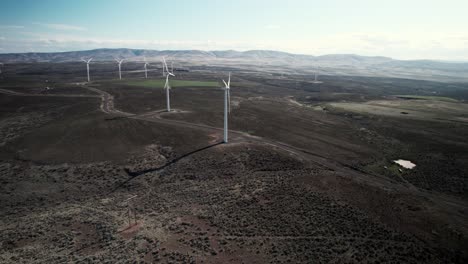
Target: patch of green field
{"points": [[383, 167], [423, 97], [173, 83], [410, 109]]}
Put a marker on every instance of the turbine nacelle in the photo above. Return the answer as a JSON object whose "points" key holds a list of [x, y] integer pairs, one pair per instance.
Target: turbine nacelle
{"points": [[228, 84], [227, 88], [120, 65], [87, 66], [87, 61], [166, 85], [227, 106], [166, 68]]}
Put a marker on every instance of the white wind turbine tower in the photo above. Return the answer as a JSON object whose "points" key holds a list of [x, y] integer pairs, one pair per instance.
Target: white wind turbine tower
{"points": [[87, 66], [227, 106], [315, 79], [167, 87], [120, 67], [146, 68]]}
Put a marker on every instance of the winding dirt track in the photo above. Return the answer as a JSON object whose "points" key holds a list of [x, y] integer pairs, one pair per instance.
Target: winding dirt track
{"points": [[9, 92], [107, 106]]}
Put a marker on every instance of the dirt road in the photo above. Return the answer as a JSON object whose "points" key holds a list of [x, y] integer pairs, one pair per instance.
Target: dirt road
{"points": [[9, 92], [107, 106]]}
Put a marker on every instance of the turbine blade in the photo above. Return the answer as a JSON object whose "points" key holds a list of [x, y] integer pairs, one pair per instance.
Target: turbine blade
{"points": [[167, 69], [229, 80], [225, 84], [165, 64], [90, 60], [171, 74]]}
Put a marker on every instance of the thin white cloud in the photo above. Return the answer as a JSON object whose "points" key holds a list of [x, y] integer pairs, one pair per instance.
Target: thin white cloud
{"points": [[65, 27], [11, 27]]}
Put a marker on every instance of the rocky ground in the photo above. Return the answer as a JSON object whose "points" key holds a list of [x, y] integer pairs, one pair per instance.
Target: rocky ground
{"points": [[246, 205], [83, 181]]}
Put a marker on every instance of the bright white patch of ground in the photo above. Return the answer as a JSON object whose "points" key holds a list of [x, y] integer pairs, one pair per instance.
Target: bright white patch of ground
{"points": [[405, 163]]}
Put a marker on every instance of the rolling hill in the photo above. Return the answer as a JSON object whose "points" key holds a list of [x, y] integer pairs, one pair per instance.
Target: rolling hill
{"points": [[269, 61]]}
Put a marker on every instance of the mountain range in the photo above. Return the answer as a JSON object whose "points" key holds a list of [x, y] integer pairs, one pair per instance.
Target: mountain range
{"points": [[268, 60]]}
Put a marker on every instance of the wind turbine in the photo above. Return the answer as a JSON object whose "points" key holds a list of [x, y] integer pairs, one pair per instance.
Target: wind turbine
{"points": [[167, 87], [146, 68], [87, 66], [227, 106], [315, 79], [120, 67]]}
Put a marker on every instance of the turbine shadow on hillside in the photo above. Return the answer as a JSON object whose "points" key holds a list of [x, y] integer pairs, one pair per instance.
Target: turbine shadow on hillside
{"points": [[134, 174]]}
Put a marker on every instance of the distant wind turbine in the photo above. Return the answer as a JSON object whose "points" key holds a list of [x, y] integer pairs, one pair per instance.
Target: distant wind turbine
{"points": [[146, 68], [167, 87], [120, 67], [227, 106], [315, 79], [87, 66]]}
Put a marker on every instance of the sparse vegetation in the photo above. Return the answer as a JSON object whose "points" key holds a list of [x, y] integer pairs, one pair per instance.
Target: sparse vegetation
{"points": [[426, 97], [174, 83], [304, 185]]}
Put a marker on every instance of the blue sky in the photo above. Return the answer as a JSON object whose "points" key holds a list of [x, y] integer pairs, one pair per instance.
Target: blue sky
{"points": [[410, 29]]}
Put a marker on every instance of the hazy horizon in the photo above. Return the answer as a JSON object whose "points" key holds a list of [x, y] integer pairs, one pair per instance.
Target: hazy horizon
{"points": [[280, 51], [400, 30]]}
